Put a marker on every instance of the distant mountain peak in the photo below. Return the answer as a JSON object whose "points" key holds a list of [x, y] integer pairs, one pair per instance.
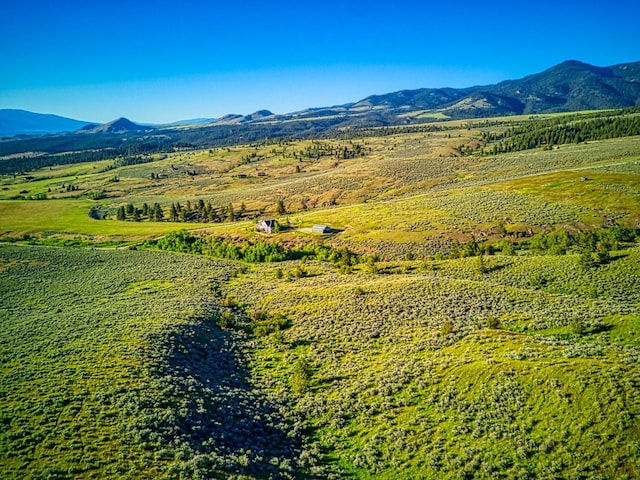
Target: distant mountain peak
{"points": [[573, 63], [262, 113], [119, 125]]}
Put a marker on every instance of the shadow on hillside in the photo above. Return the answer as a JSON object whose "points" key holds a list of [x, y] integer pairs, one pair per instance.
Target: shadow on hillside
{"points": [[209, 404], [599, 328], [496, 268]]}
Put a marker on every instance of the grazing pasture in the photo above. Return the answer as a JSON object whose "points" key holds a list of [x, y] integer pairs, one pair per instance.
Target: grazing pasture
{"points": [[469, 315]]}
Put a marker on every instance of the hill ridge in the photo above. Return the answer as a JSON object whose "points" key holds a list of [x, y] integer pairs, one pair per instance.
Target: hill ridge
{"points": [[572, 85], [119, 125]]}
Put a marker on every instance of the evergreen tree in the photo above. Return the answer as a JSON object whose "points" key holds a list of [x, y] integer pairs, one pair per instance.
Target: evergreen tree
{"points": [[157, 214]]}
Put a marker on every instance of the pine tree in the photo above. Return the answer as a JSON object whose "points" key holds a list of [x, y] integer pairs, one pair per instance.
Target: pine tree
{"points": [[157, 214]]}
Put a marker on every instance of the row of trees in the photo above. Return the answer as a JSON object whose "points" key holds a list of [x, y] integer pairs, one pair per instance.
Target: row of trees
{"points": [[204, 212], [255, 252], [200, 212], [131, 212], [197, 212]]}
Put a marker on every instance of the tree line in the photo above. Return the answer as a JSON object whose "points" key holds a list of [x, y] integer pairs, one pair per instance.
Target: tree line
{"points": [[198, 212], [248, 251], [131, 155], [559, 131]]}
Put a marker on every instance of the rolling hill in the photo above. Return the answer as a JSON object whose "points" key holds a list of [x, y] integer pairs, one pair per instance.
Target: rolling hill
{"points": [[118, 126]]}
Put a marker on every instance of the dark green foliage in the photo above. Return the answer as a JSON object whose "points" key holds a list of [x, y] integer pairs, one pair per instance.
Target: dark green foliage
{"points": [[86, 148], [263, 323], [226, 320], [157, 214], [577, 326], [254, 252], [469, 249], [199, 212], [98, 212], [561, 130], [301, 376], [594, 245], [506, 247], [248, 252]]}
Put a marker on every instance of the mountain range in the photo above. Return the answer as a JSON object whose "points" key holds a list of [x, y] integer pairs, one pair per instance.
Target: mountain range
{"points": [[569, 86]]}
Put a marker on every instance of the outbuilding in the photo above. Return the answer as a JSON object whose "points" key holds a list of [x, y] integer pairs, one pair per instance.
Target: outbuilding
{"points": [[321, 229]]}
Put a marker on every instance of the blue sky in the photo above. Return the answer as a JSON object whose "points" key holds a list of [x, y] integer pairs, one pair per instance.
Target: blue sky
{"points": [[164, 61]]}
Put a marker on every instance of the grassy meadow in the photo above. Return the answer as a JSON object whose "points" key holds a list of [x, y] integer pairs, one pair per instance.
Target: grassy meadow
{"points": [[438, 372], [469, 316], [113, 367]]}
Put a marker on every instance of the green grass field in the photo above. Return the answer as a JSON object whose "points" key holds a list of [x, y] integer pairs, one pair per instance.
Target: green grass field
{"points": [[446, 340], [447, 374], [113, 367], [401, 190]]}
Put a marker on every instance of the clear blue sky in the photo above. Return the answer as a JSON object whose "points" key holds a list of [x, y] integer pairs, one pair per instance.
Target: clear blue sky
{"points": [[164, 61]]}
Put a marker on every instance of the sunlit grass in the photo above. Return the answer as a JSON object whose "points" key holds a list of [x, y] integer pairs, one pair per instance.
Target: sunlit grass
{"points": [[507, 388]]}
